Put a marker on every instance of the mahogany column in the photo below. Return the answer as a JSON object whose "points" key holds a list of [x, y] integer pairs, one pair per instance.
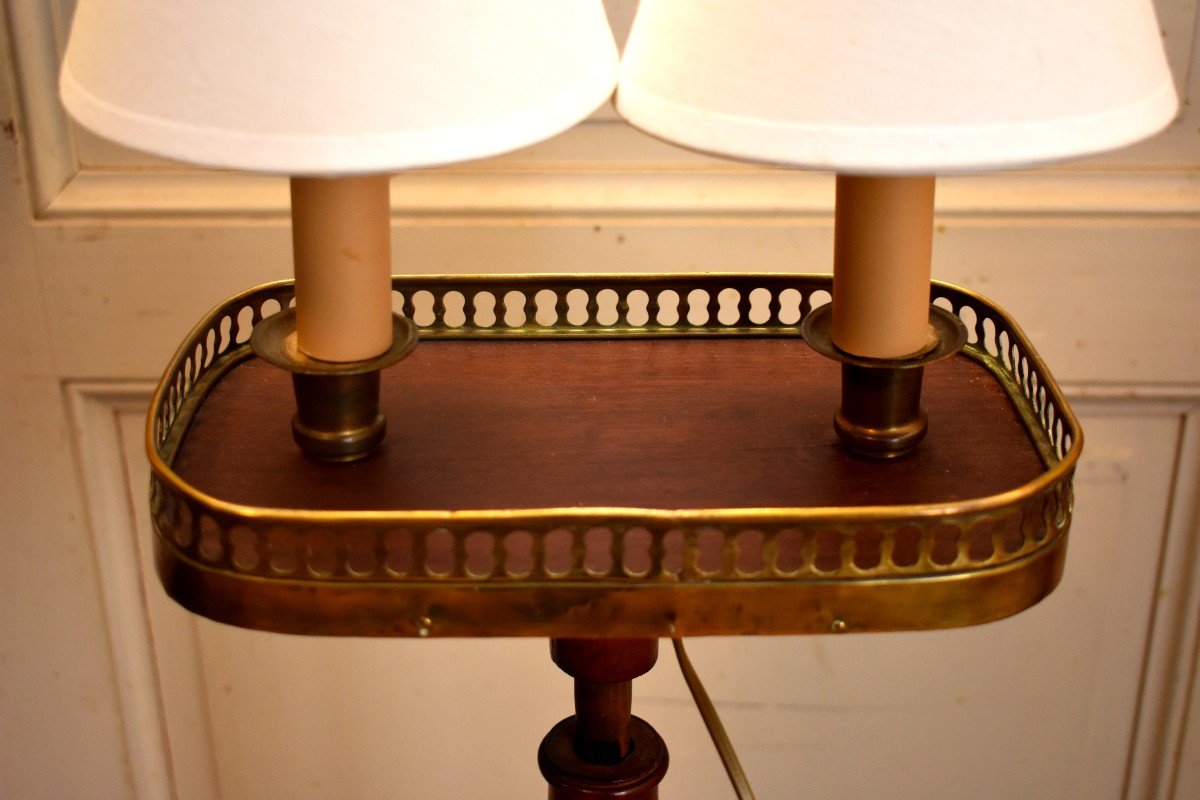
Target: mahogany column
{"points": [[603, 751]]}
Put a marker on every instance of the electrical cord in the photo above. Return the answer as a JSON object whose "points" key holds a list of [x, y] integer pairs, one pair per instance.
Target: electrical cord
{"points": [[712, 722]]}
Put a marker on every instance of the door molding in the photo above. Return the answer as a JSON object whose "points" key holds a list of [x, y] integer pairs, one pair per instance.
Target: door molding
{"points": [[160, 707]]}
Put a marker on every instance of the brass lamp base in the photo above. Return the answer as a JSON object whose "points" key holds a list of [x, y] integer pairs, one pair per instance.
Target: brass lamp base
{"points": [[337, 403], [880, 413]]}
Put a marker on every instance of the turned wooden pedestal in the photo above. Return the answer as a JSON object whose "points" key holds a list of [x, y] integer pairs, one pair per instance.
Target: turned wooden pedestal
{"points": [[603, 751]]}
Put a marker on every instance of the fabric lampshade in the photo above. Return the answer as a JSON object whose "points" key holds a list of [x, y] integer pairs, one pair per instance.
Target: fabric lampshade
{"points": [[335, 87], [886, 87]]}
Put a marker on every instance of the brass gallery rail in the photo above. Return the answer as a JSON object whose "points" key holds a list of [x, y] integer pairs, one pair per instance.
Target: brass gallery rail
{"points": [[631, 572]]}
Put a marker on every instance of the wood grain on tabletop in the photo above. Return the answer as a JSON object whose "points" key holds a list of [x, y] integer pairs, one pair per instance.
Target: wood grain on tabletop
{"points": [[680, 423]]}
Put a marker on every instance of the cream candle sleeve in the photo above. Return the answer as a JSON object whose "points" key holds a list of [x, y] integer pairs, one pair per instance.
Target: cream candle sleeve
{"points": [[342, 251], [883, 243]]}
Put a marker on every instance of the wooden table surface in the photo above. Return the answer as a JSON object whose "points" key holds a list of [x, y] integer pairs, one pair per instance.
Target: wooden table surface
{"points": [[681, 423]]}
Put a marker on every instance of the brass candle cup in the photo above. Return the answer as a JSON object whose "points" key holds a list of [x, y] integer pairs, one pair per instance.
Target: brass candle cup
{"points": [[880, 413], [337, 403]]}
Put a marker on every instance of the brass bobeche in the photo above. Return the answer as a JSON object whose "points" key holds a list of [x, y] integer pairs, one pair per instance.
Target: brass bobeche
{"points": [[880, 413], [337, 403]]}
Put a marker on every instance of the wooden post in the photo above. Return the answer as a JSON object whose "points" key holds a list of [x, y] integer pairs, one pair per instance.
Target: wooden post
{"points": [[603, 751]]}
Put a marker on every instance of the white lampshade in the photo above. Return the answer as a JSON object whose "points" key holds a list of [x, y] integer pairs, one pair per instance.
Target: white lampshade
{"points": [[897, 86], [335, 87]]}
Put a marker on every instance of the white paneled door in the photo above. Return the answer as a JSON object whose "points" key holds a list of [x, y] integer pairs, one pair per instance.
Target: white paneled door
{"points": [[109, 690]]}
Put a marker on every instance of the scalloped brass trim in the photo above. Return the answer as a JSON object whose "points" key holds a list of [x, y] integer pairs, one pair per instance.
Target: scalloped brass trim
{"points": [[204, 542]]}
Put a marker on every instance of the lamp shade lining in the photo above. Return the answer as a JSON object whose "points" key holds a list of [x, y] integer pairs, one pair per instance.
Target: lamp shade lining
{"points": [[332, 155], [896, 149]]}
